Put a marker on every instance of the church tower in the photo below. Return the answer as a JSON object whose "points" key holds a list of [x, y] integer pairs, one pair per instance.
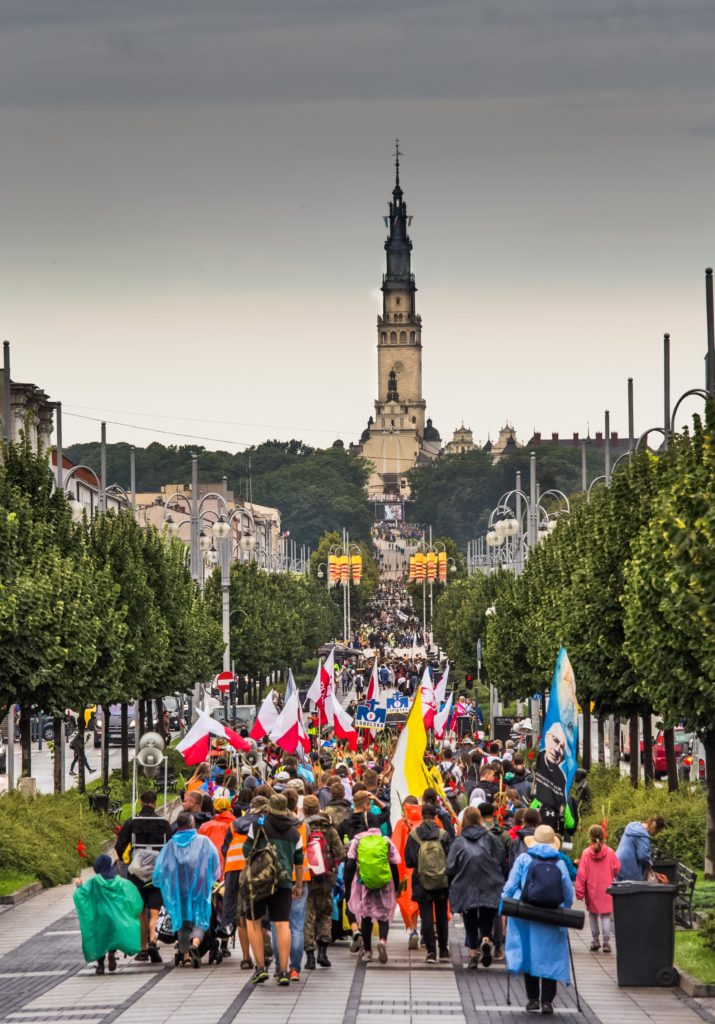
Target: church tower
{"points": [[398, 438]]}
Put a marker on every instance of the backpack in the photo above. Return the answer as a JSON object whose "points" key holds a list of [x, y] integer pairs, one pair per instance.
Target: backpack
{"points": [[373, 863], [262, 874], [542, 884], [142, 864], [431, 862], [317, 854]]}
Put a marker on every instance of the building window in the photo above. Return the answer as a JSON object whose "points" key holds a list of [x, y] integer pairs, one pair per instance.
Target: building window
{"points": [[393, 335], [383, 421], [383, 336], [402, 421], [403, 336], [399, 317], [412, 335], [397, 301]]}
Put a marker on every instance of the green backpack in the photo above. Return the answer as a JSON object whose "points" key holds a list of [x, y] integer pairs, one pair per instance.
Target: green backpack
{"points": [[373, 863], [431, 862]]}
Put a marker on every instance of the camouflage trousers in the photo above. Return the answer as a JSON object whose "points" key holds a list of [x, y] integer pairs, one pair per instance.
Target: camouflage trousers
{"points": [[318, 915]]}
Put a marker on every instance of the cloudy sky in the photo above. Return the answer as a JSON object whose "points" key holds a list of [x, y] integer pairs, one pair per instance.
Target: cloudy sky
{"points": [[192, 201]]}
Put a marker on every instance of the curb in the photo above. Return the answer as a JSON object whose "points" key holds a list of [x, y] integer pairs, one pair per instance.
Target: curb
{"points": [[20, 895], [695, 988]]}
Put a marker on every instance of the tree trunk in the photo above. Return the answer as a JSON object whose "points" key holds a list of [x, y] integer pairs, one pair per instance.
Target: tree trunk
{"points": [[616, 752], [586, 753], [601, 740], [149, 719], [81, 775], [634, 743], [672, 764], [709, 749], [125, 741], [58, 724], [142, 718], [105, 747], [26, 740], [648, 767]]}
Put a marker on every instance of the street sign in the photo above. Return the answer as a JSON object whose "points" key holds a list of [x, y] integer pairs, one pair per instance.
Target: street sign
{"points": [[370, 718], [223, 681], [397, 703]]}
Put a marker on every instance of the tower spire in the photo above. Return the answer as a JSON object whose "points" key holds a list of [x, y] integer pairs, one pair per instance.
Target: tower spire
{"points": [[398, 154]]}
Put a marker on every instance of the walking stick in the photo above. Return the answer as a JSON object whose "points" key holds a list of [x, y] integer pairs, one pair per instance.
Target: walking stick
{"points": [[508, 987], [573, 971]]}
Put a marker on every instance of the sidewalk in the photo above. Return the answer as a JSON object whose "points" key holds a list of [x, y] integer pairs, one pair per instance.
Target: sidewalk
{"points": [[43, 979], [43, 766]]}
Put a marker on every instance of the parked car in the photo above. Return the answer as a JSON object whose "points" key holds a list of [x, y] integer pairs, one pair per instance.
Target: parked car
{"points": [[42, 724], [114, 733], [683, 746]]}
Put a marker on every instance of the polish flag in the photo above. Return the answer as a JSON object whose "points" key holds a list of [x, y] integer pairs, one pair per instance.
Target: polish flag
{"points": [[373, 687], [440, 690], [196, 745], [323, 687], [341, 721], [442, 718], [291, 688], [429, 706], [266, 720], [289, 731]]}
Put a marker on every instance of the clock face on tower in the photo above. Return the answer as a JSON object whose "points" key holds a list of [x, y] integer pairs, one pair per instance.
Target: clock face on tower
{"points": [[399, 367]]}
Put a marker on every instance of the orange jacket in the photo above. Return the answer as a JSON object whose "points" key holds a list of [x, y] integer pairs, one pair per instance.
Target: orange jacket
{"points": [[412, 816], [216, 830]]}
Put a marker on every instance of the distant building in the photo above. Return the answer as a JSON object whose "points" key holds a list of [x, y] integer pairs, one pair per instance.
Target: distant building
{"points": [[618, 446], [30, 410], [462, 441], [505, 444], [397, 437], [82, 486]]}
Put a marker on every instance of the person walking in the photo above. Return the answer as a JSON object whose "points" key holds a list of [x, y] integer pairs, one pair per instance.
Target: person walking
{"points": [[372, 881], [185, 871], [635, 850], [77, 746], [108, 908], [272, 849], [232, 913], [324, 854], [217, 826], [143, 836], [475, 868], [426, 853], [539, 951], [597, 869]]}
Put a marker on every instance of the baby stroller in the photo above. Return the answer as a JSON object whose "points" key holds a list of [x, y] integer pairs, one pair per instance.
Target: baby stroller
{"points": [[210, 943]]}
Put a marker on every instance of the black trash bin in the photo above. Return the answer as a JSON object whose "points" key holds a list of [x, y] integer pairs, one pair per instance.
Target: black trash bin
{"points": [[644, 920]]}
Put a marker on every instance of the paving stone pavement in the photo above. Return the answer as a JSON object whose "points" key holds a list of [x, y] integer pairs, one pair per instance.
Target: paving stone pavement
{"points": [[44, 980]]}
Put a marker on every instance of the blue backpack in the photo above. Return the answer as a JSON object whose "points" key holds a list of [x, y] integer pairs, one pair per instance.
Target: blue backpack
{"points": [[542, 885]]}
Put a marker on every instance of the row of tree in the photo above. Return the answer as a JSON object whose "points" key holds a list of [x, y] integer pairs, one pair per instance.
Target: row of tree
{"points": [[627, 584]]}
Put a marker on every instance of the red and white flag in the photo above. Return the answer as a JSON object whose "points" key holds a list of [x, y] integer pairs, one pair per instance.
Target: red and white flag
{"points": [[442, 719], [322, 687], [373, 687], [289, 731], [440, 690], [341, 721], [266, 720], [196, 745], [429, 706]]}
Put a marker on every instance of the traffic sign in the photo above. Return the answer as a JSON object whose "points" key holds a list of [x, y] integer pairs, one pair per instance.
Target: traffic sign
{"points": [[223, 681]]}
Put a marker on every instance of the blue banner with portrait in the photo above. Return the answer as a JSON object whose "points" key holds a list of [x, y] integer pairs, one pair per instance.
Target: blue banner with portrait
{"points": [[558, 753]]}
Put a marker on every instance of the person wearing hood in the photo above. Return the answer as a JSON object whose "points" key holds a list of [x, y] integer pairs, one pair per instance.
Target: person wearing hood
{"points": [[108, 908], [185, 871], [597, 869], [325, 853], [635, 850], [475, 868], [539, 951], [411, 817], [426, 852], [277, 828], [217, 827]]}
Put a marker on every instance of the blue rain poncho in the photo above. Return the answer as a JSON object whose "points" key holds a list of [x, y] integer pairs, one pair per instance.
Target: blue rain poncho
{"points": [[108, 912], [185, 871]]}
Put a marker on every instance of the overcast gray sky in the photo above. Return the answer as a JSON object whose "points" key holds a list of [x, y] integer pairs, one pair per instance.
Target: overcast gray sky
{"points": [[192, 201]]}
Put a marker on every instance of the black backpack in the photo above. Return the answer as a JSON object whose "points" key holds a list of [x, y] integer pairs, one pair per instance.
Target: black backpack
{"points": [[542, 885]]}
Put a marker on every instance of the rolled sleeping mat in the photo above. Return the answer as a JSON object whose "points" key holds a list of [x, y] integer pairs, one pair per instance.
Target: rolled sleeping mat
{"points": [[558, 916]]}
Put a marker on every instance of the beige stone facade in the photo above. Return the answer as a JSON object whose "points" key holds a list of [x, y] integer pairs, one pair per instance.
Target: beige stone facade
{"points": [[462, 441]]}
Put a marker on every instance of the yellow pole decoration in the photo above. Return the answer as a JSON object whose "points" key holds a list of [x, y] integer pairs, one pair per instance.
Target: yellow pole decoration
{"points": [[333, 569], [431, 566], [344, 570], [442, 566], [419, 566], [356, 567]]}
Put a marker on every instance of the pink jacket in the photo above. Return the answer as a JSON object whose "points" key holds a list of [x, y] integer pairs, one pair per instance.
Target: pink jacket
{"points": [[596, 871]]}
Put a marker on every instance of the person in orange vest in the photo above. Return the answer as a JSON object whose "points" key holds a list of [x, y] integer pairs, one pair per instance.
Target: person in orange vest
{"points": [[216, 828], [233, 916], [199, 780]]}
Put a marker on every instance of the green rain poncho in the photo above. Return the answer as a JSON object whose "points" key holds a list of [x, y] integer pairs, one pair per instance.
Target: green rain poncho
{"points": [[108, 912]]}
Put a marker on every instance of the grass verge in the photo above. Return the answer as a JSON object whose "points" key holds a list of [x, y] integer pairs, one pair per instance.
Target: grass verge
{"points": [[11, 881], [694, 957]]}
